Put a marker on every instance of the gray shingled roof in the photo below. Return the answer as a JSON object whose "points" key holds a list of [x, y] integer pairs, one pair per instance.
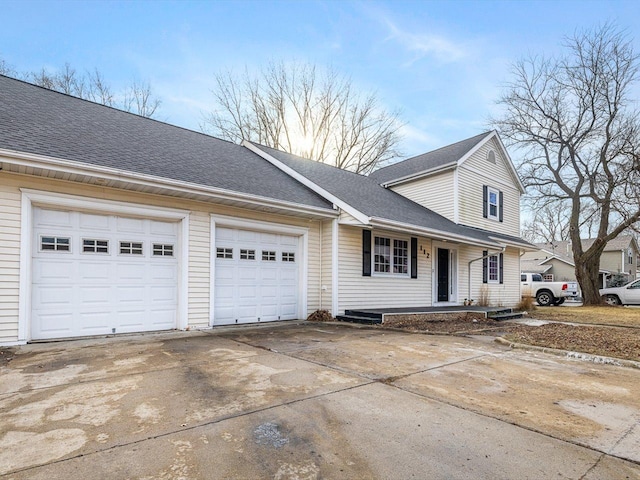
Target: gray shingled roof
{"points": [[427, 161], [366, 196], [43, 122], [621, 242]]}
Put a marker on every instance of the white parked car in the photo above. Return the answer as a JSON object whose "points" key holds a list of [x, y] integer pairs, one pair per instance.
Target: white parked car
{"points": [[628, 294]]}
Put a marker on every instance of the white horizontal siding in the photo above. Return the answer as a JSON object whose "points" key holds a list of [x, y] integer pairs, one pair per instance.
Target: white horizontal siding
{"points": [[378, 291], [506, 294], [10, 199], [435, 192], [199, 269], [478, 171], [326, 284], [199, 243]]}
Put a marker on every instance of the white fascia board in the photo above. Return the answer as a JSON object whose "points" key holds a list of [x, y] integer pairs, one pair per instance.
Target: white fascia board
{"points": [[510, 243], [77, 168], [428, 232], [361, 217], [418, 175], [494, 134]]}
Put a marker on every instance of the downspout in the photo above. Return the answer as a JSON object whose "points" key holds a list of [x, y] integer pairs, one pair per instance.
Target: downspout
{"points": [[490, 254]]}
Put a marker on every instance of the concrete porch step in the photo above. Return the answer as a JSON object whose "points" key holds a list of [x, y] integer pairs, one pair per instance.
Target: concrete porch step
{"points": [[359, 319], [506, 316]]}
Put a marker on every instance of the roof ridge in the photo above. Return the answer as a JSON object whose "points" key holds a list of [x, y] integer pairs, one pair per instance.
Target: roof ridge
{"points": [[135, 115]]}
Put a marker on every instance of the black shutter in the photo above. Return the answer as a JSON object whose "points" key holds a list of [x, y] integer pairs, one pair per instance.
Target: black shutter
{"points": [[501, 259], [414, 257], [485, 265], [366, 253], [500, 209], [484, 201]]}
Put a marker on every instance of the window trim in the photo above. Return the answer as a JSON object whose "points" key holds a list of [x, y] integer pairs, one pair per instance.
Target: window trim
{"points": [[248, 254], [392, 257], [55, 243], [95, 246], [130, 253], [224, 253], [491, 190], [162, 249]]}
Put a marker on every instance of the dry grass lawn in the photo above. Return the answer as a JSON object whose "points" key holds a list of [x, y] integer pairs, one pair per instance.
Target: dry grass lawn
{"points": [[602, 315]]}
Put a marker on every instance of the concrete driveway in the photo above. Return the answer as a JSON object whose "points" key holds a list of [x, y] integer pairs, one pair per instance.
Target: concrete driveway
{"points": [[307, 401]]}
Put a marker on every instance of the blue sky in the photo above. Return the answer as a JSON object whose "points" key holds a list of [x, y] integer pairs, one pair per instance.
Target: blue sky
{"points": [[441, 64]]}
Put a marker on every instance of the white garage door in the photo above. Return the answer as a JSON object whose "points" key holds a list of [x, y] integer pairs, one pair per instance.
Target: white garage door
{"points": [[256, 277], [100, 274]]}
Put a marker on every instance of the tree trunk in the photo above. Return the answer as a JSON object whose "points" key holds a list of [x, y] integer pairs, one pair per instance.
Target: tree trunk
{"points": [[587, 274]]}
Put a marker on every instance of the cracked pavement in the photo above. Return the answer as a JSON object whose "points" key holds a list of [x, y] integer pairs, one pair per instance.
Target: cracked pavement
{"points": [[301, 400]]}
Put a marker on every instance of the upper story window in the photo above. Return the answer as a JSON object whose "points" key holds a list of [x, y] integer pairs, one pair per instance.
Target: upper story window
{"points": [[492, 203], [630, 256], [491, 156], [386, 260]]}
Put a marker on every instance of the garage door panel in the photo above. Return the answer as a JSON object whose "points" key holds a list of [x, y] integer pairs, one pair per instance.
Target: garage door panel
{"points": [[53, 218], [130, 294], [93, 271], [248, 236], [99, 293], [91, 321], [130, 225], [248, 273], [96, 296], [225, 272], [163, 319], [225, 234], [48, 270], [164, 272], [55, 324], [247, 293], [90, 223], [51, 296]]}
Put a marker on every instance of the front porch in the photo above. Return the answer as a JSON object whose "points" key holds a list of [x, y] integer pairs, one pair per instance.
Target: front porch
{"points": [[372, 316]]}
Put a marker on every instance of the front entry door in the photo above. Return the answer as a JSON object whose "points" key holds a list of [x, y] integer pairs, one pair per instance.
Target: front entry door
{"points": [[443, 275]]}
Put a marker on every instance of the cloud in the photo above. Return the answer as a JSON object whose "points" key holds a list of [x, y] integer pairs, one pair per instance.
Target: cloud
{"points": [[423, 45]]}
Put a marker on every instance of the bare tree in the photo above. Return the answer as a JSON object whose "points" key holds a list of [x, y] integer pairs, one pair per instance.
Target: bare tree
{"points": [[5, 68], [579, 136], [302, 110], [138, 97]]}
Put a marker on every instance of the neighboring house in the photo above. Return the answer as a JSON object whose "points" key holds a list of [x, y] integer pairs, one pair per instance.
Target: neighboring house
{"points": [[553, 266], [618, 263], [114, 223]]}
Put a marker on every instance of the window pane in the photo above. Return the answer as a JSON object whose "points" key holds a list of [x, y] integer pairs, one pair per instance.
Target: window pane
{"points": [[400, 256], [382, 255], [493, 268]]}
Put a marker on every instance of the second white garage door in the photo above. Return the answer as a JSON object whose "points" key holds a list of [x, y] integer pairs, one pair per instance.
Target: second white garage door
{"points": [[256, 277]]}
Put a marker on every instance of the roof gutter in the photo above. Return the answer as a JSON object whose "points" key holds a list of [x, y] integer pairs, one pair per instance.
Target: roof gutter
{"points": [[73, 167], [429, 232]]}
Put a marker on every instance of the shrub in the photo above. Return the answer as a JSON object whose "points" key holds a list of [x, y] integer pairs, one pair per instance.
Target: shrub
{"points": [[526, 304], [321, 316]]}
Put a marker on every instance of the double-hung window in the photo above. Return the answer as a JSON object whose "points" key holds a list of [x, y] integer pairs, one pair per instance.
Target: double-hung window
{"points": [[492, 268], [390, 255], [492, 203]]}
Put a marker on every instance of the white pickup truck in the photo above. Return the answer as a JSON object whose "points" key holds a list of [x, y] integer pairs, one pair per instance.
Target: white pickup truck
{"points": [[546, 293]]}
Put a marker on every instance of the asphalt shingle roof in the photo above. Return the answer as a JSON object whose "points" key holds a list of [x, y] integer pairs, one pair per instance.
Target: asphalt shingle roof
{"points": [[368, 197], [427, 161], [40, 121], [563, 248]]}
